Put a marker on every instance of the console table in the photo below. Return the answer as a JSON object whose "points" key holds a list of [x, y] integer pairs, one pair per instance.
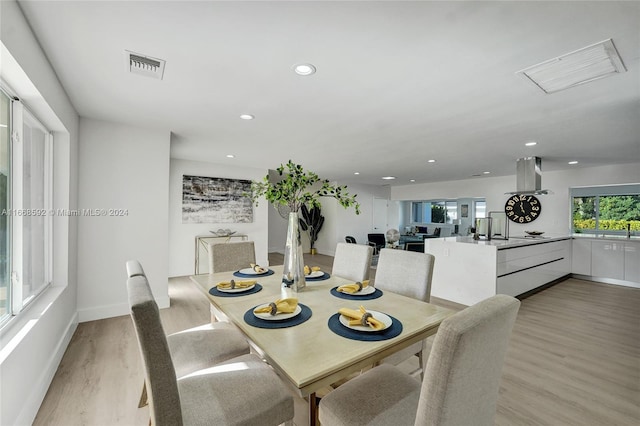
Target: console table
{"points": [[202, 249]]}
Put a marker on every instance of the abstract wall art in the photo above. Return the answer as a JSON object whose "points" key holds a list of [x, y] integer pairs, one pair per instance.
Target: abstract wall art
{"points": [[215, 200]]}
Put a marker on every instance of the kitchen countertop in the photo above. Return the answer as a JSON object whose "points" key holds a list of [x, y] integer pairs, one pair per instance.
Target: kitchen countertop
{"points": [[510, 243], [635, 238]]}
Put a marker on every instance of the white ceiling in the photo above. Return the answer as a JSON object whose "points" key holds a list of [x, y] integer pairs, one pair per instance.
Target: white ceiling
{"points": [[398, 83]]}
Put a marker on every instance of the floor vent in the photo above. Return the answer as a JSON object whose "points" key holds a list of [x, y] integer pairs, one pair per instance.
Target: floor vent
{"points": [[144, 65]]}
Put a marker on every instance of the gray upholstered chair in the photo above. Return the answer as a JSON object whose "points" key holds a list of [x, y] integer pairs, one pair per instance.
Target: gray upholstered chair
{"points": [[241, 391], [231, 256], [409, 274], [461, 380], [199, 347], [352, 261]]}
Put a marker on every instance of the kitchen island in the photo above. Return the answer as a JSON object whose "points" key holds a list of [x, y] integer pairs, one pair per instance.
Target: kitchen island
{"points": [[467, 271]]}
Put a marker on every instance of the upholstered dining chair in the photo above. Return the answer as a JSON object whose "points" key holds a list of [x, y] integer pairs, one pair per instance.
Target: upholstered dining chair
{"points": [[409, 274], [227, 257], [231, 256], [352, 261], [461, 380], [349, 239], [240, 391], [199, 347]]}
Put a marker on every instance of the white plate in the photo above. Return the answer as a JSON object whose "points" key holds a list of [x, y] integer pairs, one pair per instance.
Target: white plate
{"points": [[383, 318], [277, 317], [250, 271], [365, 291], [315, 274], [235, 290]]}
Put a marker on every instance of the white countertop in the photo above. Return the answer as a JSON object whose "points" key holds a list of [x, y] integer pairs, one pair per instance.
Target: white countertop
{"points": [[621, 238], [510, 243]]}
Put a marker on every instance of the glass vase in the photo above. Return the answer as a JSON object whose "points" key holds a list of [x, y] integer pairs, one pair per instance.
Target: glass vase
{"points": [[293, 272]]}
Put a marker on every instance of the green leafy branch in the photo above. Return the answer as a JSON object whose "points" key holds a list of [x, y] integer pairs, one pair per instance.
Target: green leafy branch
{"points": [[292, 190]]}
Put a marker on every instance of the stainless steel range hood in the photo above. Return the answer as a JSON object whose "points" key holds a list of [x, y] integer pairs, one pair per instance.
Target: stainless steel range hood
{"points": [[529, 177]]}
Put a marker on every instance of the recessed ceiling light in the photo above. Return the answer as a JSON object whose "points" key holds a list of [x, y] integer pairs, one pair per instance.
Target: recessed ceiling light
{"points": [[388, 177], [431, 161], [304, 69], [531, 143], [412, 180], [231, 156], [572, 162], [247, 116], [486, 173], [356, 173]]}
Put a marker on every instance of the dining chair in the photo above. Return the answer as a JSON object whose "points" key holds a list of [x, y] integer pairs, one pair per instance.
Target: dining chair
{"points": [[409, 274], [461, 380], [240, 391], [377, 241], [349, 239], [352, 261], [231, 256], [199, 347]]}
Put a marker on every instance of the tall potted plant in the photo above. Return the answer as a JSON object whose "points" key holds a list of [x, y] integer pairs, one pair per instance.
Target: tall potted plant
{"points": [[311, 222], [293, 191]]}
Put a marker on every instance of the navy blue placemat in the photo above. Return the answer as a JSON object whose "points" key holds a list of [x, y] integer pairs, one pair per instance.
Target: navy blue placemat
{"points": [[348, 296], [367, 336], [240, 275], [253, 320], [320, 278], [215, 292]]}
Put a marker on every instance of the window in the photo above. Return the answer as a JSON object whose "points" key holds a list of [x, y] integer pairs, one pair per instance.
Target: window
{"points": [[25, 207], [5, 164], [605, 209], [438, 212], [452, 211], [416, 212], [480, 208]]}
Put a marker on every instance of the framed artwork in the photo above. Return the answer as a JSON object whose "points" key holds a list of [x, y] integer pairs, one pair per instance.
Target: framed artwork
{"points": [[215, 200], [464, 210]]}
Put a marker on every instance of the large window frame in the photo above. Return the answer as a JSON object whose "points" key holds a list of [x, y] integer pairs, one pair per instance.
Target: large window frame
{"points": [[595, 195], [28, 212]]}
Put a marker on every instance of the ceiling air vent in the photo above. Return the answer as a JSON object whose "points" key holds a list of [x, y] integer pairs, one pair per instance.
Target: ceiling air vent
{"points": [[572, 69], [144, 65]]}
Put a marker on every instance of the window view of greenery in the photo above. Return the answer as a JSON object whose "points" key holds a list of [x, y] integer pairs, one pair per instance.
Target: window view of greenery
{"points": [[438, 212], [606, 213]]}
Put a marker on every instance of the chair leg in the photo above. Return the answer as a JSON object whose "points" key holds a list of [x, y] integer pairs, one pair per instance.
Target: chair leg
{"points": [[420, 361], [143, 397]]}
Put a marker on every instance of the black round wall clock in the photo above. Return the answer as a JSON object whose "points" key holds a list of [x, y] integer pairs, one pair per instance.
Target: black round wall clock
{"points": [[523, 208]]}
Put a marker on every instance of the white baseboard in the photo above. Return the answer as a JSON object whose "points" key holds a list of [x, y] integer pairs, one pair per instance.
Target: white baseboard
{"points": [[110, 311], [32, 404]]}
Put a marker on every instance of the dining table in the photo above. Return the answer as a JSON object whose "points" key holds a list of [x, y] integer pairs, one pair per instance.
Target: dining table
{"points": [[314, 353]]}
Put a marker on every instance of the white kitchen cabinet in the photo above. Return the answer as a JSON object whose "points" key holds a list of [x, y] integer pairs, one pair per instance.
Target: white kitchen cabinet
{"points": [[632, 262], [581, 257], [521, 269], [607, 259]]}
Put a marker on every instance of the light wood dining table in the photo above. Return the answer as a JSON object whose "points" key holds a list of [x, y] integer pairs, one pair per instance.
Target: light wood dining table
{"points": [[310, 356]]}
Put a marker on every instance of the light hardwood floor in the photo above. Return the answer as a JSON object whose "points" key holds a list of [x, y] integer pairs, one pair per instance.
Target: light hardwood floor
{"points": [[574, 359]]}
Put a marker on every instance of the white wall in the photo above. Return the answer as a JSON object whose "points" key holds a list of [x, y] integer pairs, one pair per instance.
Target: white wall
{"points": [[32, 344], [555, 216], [182, 235], [121, 167], [348, 223]]}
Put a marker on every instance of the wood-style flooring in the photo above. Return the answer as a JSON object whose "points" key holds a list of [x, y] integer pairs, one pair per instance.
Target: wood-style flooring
{"points": [[574, 359]]}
